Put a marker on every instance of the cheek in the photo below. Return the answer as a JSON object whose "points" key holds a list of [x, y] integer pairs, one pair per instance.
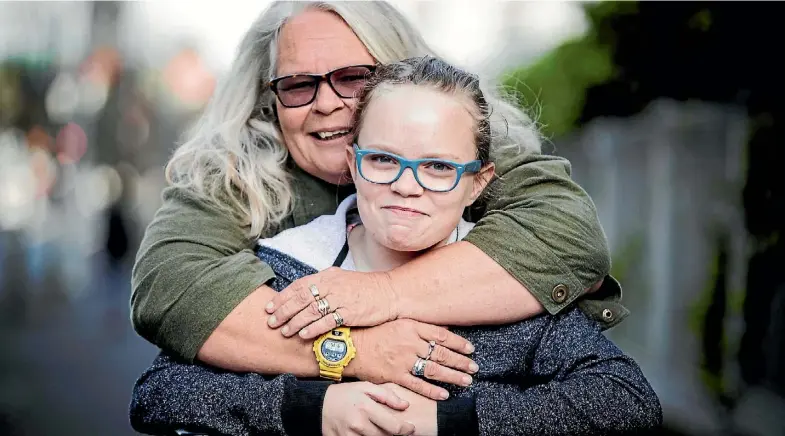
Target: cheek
{"points": [[368, 193], [456, 200], [291, 121]]}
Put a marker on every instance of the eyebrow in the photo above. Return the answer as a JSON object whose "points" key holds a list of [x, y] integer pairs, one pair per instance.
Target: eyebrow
{"points": [[382, 147]]}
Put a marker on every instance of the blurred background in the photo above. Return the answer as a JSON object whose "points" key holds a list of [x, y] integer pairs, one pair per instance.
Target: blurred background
{"points": [[671, 114]]}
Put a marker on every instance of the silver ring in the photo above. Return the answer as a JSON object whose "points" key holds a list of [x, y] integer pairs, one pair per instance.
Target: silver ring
{"points": [[431, 347], [314, 291], [418, 369], [338, 319], [323, 305]]}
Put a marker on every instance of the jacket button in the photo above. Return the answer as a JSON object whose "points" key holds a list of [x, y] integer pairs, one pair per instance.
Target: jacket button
{"points": [[559, 294], [607, 315]]}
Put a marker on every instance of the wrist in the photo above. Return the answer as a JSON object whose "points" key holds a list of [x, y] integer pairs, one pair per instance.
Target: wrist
{"points": [[387, 284], [353, 369]]}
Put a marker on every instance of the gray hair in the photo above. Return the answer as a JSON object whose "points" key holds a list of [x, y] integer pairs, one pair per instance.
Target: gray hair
{"points": [[234, 155]]}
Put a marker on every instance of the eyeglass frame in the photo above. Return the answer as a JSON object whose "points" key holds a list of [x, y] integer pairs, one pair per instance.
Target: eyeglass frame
{"points": [[273, 84], [471, 167]]}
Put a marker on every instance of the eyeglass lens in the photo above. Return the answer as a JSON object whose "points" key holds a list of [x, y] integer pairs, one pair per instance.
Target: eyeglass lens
{"points": [[299, 90], [432, 175]]}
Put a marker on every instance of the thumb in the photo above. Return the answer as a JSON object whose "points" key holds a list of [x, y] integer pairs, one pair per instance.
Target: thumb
{"points": [[387, 397]]}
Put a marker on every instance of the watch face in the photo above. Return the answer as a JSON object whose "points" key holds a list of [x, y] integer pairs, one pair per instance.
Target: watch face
{"points": [[333, 350]]}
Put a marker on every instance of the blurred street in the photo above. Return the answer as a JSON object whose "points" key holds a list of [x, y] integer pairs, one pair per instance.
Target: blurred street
{"points": [[67, 366]]}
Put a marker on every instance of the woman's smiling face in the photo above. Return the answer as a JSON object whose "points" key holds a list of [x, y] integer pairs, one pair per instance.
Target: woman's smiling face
{"points": [[416, 122], [316, 134]]}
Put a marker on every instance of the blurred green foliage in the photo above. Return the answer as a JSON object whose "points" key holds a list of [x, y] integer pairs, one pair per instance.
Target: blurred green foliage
{"points": [[555, 86]]}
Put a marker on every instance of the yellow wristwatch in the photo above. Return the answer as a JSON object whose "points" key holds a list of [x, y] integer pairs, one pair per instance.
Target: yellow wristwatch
{"points": [[334, 350]]}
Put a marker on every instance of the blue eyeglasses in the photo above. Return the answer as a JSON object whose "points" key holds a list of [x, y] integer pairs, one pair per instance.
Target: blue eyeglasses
{"points": [[435, 175]]}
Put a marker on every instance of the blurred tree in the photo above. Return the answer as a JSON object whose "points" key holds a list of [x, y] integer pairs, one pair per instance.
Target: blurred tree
{"points": [[725, 52]]}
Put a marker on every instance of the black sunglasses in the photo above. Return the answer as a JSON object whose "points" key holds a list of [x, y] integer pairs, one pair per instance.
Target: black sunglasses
{"points": [[297, 90]]}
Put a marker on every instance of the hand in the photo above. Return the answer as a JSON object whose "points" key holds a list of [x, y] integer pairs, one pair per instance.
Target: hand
{"points": [[363, 408], [421, 411], [387, 353], [362, 299]]}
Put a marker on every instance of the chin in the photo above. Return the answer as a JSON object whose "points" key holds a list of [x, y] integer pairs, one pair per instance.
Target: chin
{"points": [[404, 242], [337, 173]]}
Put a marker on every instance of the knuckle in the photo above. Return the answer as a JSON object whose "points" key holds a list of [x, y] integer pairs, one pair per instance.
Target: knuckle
{"points": [[431, 370], [439, 354], [441, 335], [301, 297], [356, 425], [417, 385], [313, 309]]}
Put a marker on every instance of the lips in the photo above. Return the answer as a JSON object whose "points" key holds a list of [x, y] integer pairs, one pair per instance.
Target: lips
{"points": [[405, 210], [330, 133]]}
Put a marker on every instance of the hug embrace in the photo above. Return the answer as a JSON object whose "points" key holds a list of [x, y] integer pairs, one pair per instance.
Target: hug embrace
{"points": [[360, 238]]}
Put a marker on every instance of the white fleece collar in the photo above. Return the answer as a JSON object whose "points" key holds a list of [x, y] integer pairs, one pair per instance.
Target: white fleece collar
{"points": [[319, 242]]}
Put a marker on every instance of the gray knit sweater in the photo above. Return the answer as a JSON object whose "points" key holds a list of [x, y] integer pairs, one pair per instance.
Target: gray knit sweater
{"points": [[550, 375]]}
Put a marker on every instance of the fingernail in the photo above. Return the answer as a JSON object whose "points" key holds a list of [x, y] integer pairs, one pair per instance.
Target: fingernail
{"points": [[473, 367], [285, 330], [470, 348], [303, 333], [445, 395], [269, 306], [467, 380], [271, 321]]}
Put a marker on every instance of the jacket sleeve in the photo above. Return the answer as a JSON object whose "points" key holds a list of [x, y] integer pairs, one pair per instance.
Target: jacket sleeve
{"points": [[543, 228], [195, 264], [589, 387], [175, 395]]}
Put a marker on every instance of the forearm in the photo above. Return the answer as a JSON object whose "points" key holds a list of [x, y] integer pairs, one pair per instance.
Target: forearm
{"points": [[175, 395], [460, 285], [193, 267], [244, 342], [543, 229]]}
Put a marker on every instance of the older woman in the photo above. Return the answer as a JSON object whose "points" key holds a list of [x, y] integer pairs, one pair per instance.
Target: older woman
{"points": [[268, 154], [421, 156]]}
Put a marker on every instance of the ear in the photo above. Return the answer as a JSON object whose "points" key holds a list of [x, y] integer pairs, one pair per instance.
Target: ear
{"points": [[350, 161], [481, 181]]}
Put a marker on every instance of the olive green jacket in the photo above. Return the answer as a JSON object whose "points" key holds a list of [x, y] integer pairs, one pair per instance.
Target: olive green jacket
{"points": [[196, 263]]}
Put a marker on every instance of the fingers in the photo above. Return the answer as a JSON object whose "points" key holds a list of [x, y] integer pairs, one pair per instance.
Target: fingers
{"points": [[302, 318], [295, 301], [435, 371], [450, 359], [387, 397], [387, 422], [282, 297], [445, 338], [318, 327], [423, 388]]}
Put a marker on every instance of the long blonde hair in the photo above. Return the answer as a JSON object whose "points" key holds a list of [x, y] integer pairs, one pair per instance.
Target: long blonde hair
{"points": [[234, 156]]}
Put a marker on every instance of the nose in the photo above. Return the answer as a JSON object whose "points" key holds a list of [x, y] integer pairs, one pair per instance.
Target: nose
{"points": [[327, 101], [406, 185]]}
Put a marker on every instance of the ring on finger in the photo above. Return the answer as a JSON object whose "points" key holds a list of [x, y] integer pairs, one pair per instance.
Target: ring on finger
{"points": [[314, 292], [323, 305], [418, 369], [431, 347], [338, 319]]}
